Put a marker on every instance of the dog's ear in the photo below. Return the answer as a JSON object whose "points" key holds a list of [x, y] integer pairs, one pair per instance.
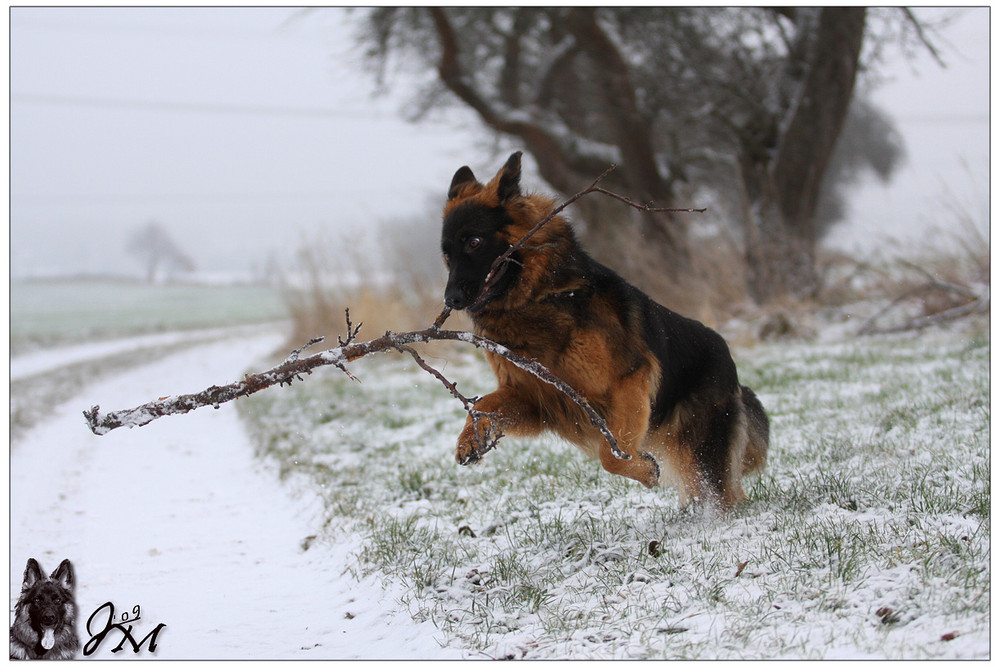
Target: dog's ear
{"points": [[32, 574], [461, 178], [509, 179], [64, 574]]}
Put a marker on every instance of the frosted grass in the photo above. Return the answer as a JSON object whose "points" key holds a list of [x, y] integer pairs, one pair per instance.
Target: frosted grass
{"points": [[866, 537]]}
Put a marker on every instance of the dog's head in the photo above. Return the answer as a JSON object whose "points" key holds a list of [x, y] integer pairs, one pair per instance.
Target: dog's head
{"points": [[480, 224], [48, 601]]}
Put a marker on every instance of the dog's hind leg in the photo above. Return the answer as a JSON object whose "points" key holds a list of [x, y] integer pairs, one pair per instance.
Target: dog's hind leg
{"points": [[758, 431], [628, 420], [721, 453]]}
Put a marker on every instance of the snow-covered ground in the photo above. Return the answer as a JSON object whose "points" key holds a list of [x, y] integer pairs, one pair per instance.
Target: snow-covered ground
{"points": [[180, 518], [48, 359], [868, 535]]}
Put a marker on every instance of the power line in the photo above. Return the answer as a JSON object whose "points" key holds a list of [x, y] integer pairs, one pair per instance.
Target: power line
{"points": [[195, 107], [324, 112], [78, 199], [153, 24], [944, 118]]}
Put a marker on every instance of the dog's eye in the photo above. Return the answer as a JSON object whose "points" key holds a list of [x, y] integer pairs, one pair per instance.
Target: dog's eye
{"points": [[473, 243]]}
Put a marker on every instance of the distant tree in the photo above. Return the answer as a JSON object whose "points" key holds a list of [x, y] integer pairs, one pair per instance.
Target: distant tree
{"points": [[745, 103], [152, 245], [868, 144]]}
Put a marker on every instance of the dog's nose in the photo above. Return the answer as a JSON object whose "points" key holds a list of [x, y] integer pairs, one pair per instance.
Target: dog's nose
{"points": [[454, 299]]}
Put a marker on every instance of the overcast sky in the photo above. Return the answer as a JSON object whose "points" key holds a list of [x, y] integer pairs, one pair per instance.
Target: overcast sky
{"points": [[248, 130]]}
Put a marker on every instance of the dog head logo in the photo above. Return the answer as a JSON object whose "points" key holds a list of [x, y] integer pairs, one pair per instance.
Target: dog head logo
{"points": [[45, 615], [481, 222]]}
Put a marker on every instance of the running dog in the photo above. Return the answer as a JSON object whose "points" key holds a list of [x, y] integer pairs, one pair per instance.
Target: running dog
{"points": [[666, 385]]}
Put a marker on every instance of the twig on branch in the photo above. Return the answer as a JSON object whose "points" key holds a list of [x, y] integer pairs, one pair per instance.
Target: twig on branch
{"points": [[295, 353], [496, 269], [922, 36], [647, 208], [491, 436], [294, 366]]}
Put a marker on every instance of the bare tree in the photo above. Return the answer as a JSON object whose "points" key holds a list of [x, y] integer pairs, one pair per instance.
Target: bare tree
{"points": [[744, 103], [783, 169], [157, 251]]}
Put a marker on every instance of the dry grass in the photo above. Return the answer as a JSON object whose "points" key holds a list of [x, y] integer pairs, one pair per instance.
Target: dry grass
{"points": [[396, 285], [399, 284], [407, 294]]}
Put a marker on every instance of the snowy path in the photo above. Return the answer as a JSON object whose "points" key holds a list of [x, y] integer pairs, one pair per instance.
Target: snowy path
{"points": [[179, 518], [41, 361]]}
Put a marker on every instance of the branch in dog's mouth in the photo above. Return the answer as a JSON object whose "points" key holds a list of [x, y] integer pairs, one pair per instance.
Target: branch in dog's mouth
{"points": [[492, 278], [295, 367]]}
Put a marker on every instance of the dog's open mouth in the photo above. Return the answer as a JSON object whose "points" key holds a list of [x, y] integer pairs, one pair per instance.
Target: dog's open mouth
{"points": [[488, 291]]}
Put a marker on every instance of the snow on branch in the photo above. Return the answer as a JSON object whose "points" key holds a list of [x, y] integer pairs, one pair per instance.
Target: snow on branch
{"points": [[295, 366]]}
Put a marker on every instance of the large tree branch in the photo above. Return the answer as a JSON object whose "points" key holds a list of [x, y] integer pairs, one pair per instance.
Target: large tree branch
{"points": [[547, 139], [972, 302], [294, 367], [509, 84], [348, 350], [556, 63], [631, 127]]}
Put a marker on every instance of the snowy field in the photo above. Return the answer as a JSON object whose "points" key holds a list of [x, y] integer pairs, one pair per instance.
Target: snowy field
{"points": [[329, 520], [866, 538], [180, 518], [47, 313]]}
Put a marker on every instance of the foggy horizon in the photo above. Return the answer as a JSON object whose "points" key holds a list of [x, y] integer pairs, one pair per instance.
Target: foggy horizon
{"points": [[249, 132]]}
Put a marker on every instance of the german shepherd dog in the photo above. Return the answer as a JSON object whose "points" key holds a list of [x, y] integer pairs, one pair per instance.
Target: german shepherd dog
{"points": [[45, 615], [666, 385]]}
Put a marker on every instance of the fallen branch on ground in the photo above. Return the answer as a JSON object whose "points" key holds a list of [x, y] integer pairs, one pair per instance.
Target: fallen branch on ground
{"points": [[295, 366], [972, 303]]}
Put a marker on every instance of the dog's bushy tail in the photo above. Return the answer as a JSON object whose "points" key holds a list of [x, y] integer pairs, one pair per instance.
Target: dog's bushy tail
{"points": [[758, 432]]}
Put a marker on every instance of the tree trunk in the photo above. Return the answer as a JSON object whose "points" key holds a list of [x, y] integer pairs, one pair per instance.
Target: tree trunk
{"points": [[783, 185], [567, 169]]}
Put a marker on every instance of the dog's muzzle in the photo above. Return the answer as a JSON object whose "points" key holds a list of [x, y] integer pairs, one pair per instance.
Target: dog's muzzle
{"points": [[455, 298]]}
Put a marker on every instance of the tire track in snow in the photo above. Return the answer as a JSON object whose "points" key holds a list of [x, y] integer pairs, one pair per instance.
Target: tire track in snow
{"points": [[180, 518]]}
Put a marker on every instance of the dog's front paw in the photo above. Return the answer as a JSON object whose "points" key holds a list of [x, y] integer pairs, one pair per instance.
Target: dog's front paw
{"points": [[466, 454], [479, 436]]}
